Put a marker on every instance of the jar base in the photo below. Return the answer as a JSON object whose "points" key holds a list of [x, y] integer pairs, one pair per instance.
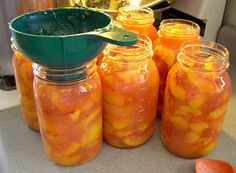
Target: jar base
{"points": [[30, 124], [187, 156], [70, 162], [127, 146], [33, 128]]}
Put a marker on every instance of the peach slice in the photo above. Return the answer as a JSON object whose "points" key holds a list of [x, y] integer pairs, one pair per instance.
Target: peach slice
{"points": [[198, 127], [217, 112]]}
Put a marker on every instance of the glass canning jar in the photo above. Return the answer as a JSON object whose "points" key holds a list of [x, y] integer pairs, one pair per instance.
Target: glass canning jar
{"points": [[138, 19], [25, 6], [24, 76], [130, 86], [172, 33], [196, 96], [69, 105]]}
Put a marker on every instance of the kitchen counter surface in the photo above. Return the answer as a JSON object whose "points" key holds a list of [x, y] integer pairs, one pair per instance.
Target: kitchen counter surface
{"points": [[21, 150]]}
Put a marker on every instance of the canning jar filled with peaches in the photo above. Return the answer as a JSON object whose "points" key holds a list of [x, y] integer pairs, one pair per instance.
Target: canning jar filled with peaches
{"points": [[27, 6], [69, 105], [138, 19], [24, 76], [196, 96], [130, 88], [172, 33]]}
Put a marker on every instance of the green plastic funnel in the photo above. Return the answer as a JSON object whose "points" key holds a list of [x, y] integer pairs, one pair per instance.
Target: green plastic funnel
{"points": [[66, 37]]}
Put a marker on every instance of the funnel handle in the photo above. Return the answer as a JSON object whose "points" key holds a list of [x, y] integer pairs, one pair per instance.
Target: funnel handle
{"points": [[118, 36]]}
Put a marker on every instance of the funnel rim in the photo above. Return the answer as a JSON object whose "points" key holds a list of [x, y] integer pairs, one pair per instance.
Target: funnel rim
{"points": [[94, 32]]}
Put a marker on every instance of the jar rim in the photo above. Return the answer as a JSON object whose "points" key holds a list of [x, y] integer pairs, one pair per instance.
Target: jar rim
{"points": [[195, 29], [146, 15], [64, 75], [204, 48], [142, 50]]}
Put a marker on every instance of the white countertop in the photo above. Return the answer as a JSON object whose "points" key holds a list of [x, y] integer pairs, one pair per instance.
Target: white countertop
{"points": [[8, 99]]}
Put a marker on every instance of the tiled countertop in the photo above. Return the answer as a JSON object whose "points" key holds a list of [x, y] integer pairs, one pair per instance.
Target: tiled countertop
{"points": [[21, 150]]}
